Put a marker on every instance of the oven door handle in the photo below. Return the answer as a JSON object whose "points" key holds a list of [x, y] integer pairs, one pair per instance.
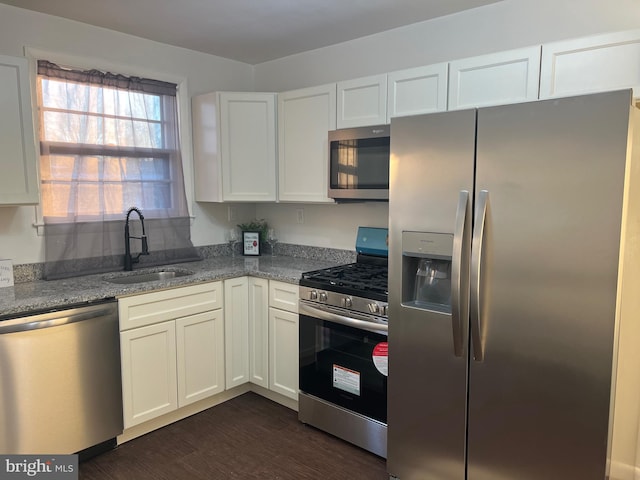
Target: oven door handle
{"points": [[310, 311]]}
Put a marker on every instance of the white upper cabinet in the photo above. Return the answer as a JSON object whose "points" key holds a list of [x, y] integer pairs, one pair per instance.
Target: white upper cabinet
{"points": [[207, 166], [362, 102], [591, 64], [19, 179], [417, 90], [494, 79], [235, 147], [304, 119]]}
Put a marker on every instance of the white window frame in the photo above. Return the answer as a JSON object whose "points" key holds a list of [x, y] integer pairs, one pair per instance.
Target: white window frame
{"points": [[85, 63]]}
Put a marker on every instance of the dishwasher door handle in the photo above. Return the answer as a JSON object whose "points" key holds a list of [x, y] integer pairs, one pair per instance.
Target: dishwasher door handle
{"points": [[49, 320]]}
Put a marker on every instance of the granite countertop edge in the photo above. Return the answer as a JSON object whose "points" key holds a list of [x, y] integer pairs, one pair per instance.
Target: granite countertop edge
{"points": [[42, 295]]}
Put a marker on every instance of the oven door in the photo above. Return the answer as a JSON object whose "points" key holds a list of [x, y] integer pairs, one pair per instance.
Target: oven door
{"points": [[342, 363]]}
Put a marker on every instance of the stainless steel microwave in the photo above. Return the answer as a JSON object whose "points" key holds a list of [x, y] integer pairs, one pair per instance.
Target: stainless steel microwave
{"points": [[359, 163]]}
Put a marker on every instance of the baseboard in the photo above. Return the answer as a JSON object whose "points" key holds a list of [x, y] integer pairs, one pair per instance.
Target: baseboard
{"points": [[182, 413], [197, 407], [623, 471], [275, 397]]}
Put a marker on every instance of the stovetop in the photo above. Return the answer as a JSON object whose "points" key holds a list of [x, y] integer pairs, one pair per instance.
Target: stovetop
{"points": [[366, 278]]}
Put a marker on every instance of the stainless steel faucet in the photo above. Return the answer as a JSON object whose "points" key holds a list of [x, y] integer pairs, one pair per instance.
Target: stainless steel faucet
{"points": [[128, 259]]}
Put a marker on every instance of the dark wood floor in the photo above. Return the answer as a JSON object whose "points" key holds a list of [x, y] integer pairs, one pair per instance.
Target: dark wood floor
{"points": [[248, 437]]}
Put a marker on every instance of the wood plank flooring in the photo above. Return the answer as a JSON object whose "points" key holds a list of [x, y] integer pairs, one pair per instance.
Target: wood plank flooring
{"points": [[248, 437]]}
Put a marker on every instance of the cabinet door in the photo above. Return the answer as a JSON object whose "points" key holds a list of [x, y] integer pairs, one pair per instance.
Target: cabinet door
{"points": [[200, 356], [362, 102], [284, 296], [283, 352], [259, 331], [304, 120], [506, 77], [248, 146], [592, 64], [417, 90], [19, 179], [236, 331], [149, 379], [206, 148]]}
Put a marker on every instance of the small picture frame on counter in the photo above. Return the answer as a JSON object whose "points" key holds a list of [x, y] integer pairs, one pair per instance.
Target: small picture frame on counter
{"points": [[251, 243]]}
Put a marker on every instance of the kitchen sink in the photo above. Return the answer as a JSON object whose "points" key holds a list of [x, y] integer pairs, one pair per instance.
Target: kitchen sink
{"points": [[143, 277]]}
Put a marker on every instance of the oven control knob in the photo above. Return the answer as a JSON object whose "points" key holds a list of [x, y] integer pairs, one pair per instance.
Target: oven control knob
{"points": [[323, 296], [384, 310], [313, 295], [374, 308], [346, 302]]}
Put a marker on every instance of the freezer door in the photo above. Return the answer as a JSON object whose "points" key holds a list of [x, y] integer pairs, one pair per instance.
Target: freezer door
{"points": [[549, 185], [432, 158]]}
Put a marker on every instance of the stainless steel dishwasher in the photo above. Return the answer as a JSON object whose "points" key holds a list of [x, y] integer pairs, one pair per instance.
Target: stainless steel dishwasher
{"points": [[60, 383]]}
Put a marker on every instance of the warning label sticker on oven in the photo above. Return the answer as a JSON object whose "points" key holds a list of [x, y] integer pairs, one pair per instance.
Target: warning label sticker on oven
{"points": [[381, 358], [346, 379]]}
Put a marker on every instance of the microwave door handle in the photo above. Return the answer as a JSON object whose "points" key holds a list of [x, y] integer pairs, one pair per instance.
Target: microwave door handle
{"points": [[460, 272], [477, 251]]}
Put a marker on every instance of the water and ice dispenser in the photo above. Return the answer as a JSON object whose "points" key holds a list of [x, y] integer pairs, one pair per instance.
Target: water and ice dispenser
{"points": [[426, 270]]}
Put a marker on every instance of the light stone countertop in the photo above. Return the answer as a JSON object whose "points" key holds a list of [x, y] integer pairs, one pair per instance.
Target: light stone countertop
{"points": [[43, 295]]}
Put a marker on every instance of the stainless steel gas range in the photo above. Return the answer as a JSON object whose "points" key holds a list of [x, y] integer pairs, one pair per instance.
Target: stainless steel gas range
{"points": [[343, 346]]}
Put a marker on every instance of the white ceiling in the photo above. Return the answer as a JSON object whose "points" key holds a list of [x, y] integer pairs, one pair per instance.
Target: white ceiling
{"points": [[250, 31]]}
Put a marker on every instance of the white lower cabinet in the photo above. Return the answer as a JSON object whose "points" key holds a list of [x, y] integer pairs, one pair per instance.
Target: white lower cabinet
{"points": [[200, 343], [179, 346], [283, 339], [175, 361], [273, 336], [283, 352], [259, 331], [236, 331], [149, 372]]}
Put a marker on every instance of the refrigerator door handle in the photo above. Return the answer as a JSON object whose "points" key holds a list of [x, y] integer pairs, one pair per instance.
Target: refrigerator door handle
{"points": [[460, 272], [476, 261]]}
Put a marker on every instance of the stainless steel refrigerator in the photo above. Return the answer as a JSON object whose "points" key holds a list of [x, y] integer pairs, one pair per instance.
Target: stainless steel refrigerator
{"points": [[514, 287]]}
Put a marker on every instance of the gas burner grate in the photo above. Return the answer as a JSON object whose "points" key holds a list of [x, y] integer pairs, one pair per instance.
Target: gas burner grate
{"points": [[362, 279]]}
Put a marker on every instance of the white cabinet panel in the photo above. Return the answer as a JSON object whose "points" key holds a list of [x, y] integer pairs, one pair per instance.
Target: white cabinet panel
{"points": [[200, 356], [283, 352], [499, 78], [236, 331], [175, 355], [259, 331], [591, 64], [362, 102], [417, 90], [149, 378], [248, 146], [234, 146], [207, 163], [139, 310], [304, 119], [19, 179], [284, 296]]}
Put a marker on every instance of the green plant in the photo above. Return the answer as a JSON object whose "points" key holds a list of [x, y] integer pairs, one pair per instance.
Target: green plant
{"points": [[256, 226]]}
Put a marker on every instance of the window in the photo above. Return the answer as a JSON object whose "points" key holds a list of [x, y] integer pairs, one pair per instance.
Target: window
{"points": [[107, 143]]}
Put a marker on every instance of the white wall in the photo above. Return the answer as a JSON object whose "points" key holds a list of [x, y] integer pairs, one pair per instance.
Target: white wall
{"points": [[502, 26], [108, 49]]}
